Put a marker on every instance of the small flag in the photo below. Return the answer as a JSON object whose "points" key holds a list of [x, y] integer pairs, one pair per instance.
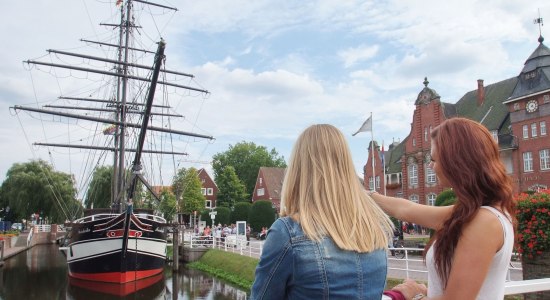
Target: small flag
{"points": [[367, 126], [110, 130]]}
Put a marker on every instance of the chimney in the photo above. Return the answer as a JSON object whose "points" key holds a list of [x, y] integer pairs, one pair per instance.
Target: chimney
{"points": [[480, 92]]}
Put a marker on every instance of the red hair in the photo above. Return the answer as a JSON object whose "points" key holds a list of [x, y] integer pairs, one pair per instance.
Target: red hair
{"points": [[468, 157]]}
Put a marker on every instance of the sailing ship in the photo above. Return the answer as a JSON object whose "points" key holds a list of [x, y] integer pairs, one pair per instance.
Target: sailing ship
{"points": [[120, 244]]}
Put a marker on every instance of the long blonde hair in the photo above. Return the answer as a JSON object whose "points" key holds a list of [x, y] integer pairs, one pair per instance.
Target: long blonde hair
{"points": [[322, 191]]}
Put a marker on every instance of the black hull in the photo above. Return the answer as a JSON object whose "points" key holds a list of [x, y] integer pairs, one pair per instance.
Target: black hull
{"points": [[101, 248]]}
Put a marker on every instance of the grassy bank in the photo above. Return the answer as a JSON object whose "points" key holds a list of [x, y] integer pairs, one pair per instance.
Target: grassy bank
{"points": [[239, 269]]}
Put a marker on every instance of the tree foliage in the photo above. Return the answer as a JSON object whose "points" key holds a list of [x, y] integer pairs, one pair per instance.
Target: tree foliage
{"points": [[240, 212], [445, 198], [262, 214], [246, 158], [230, 188], [223, 215], [99, 190], [34, 187], [168, 204], [187, 188]]}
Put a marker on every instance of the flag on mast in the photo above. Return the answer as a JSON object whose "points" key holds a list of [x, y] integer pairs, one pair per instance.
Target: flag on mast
{"points": [[367, 126]]}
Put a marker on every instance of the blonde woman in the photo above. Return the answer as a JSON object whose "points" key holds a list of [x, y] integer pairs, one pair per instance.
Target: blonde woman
{"points": [[331, 239]]}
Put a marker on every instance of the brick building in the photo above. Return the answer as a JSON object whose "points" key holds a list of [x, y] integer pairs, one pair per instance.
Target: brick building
{"points": [[268, 186], [515, 110]]}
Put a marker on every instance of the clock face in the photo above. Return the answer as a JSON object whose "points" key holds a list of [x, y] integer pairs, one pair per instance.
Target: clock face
{"points": [[531, 106]]}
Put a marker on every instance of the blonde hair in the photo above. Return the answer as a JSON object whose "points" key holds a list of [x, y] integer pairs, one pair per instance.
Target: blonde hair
{"points": [[323, 193]]}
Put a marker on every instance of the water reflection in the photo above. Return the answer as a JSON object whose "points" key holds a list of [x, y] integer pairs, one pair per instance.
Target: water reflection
{"points": [[41, 273]]}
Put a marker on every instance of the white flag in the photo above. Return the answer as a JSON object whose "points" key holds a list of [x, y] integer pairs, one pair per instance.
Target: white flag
{"points": [[367, 126]]}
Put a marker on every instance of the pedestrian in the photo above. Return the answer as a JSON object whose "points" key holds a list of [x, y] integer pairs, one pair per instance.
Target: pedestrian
{"points": [[469, 254], [331, 239]]}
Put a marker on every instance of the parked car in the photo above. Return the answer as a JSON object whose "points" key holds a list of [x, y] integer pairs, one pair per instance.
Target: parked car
{"points": [[17, 226]]}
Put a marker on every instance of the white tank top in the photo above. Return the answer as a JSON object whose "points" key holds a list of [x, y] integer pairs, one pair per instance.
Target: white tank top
{"points": [[493, 286]]}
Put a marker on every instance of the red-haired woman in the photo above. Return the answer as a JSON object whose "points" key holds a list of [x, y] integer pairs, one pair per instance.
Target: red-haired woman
{"points": [[469, 254]]}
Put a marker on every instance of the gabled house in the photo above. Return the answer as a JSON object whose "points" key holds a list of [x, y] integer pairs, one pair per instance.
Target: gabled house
{"points": [[268, 186], [209, 188], [515, 110]]}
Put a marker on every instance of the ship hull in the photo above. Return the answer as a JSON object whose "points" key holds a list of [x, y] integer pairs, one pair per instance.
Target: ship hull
{"points": [[99, 249]]}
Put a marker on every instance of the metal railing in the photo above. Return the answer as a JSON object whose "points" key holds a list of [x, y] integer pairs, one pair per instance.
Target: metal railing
{"points": [[231, 243]]}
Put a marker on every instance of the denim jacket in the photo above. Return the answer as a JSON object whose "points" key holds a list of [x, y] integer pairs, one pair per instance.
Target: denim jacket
{"points": [[294, 267]]}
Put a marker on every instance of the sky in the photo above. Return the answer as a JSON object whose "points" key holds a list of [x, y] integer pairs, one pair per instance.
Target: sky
{"points": [[272, 68]]}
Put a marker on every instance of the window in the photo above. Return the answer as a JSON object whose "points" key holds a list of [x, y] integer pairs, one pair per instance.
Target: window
{"points": [[210, 191], [413, 174], [425, 134], [414, 198], [203, 191], [546, 99], [208, 203], [494, 133], [534, 130], [542, 127], [430, 174], [527, 162], [544, 159], [431, 199], [371, 184], [414, 142], [260, 192], [377, 182], [525, 131], [261, 181]]}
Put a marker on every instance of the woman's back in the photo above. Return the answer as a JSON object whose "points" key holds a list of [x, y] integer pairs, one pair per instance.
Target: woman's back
{"points": [[295, 267]]}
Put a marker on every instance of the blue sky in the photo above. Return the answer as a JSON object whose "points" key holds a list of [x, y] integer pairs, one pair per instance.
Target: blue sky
{"points": [[275, 67]]}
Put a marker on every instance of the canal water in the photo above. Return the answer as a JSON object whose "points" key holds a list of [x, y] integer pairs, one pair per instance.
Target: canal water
{"points": [[41, 273]]}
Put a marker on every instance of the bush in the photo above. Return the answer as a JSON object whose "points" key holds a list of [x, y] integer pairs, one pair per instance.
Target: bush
{"points": [[445, 198], [240, 212], [262, 214], [222, 215], [533, 214]]}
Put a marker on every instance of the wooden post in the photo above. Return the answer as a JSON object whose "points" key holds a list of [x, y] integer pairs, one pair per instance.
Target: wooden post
{"points": [[175, 248]]}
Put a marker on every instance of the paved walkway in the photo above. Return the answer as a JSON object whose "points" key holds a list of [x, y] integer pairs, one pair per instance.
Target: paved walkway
{"points": [[20, 246]]}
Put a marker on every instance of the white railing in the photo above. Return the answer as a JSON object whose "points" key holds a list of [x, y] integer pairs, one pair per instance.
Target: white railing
{"points": [[29, 237], [42, 228], [230, 243]]}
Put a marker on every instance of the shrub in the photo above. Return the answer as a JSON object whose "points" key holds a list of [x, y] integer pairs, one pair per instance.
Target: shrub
{"points": [[240, 212], [262, 214], [533, 231]]}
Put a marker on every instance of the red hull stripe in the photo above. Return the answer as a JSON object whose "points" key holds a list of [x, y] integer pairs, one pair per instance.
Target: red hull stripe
{"points": [[116, 277], [120, 290]]}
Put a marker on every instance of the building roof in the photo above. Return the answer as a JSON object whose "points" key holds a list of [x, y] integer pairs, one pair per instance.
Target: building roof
{"points": [[492, 113], [273, 180], [535, 75]]}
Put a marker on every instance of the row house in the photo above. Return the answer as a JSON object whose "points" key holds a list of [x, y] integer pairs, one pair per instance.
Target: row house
{"points": [[208, 188], [515, 110]]}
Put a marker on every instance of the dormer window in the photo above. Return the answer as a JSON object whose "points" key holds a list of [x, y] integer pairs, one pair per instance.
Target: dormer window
{"points": [[530, 75]]}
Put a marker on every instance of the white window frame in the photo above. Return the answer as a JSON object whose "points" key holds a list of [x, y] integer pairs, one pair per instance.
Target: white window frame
{"points": [[208, 203], [494, 133], [378, 182], [371, 184], [425, 134], [525, 131], [413, 174], [430, 175], [203, 191], [414, 198], [431, 199], [527, 162], [210, 191], [533, 129], [542, 125], [544, 155], [260, 192]]}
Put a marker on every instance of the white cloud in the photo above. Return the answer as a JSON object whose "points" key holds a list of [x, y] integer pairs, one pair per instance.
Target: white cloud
{"points": [[352, 56]]}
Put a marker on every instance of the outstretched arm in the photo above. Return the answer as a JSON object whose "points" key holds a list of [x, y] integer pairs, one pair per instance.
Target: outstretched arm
{"points": [[405, 210]]}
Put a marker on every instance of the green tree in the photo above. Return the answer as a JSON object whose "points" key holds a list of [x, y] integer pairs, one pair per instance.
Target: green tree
{"points": [[99, 190], [187, 187], [246, 158], [35, 187], [230, 188], [262, 214], [240, 212], [445, 198], [168, 204]]}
